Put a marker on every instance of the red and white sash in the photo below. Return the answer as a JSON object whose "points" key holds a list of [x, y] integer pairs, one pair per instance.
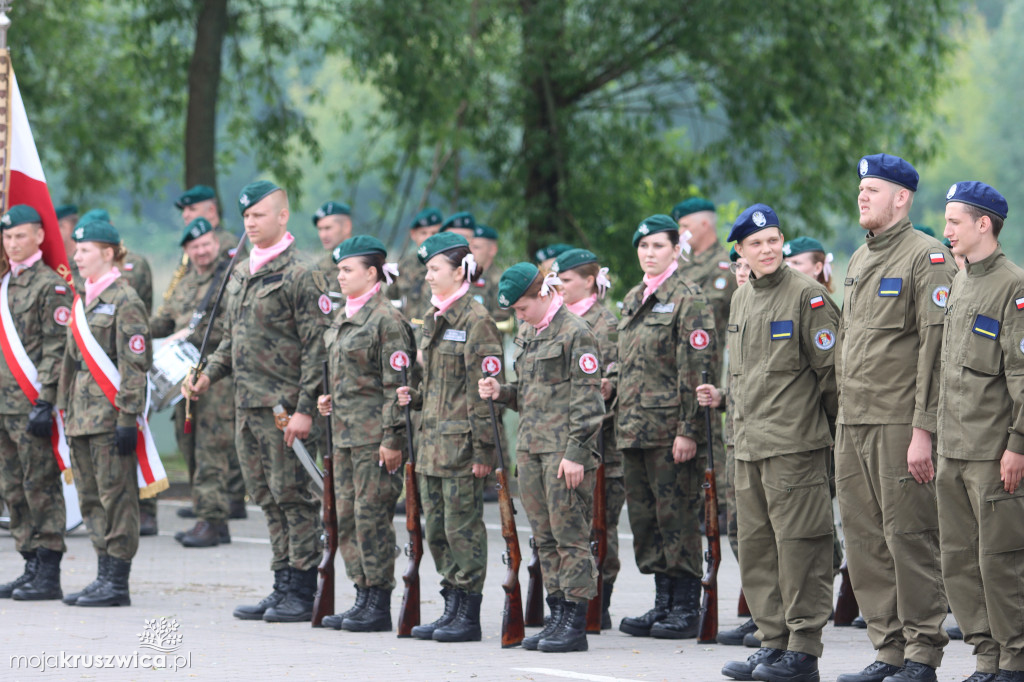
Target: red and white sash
{"points": [[151, 474]]}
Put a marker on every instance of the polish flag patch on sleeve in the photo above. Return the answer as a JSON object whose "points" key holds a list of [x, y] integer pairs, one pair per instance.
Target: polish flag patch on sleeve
{"points": [[937, 258], [1020, 303], [817, 302]]}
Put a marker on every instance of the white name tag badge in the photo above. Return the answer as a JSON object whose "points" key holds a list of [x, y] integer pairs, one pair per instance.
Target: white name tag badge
{"points": [[105, 309], [663, 307], [455, 335]]}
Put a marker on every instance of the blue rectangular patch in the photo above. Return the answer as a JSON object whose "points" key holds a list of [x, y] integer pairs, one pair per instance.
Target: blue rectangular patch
{"points": [[986, 326], [782, 330], [890, 286]]}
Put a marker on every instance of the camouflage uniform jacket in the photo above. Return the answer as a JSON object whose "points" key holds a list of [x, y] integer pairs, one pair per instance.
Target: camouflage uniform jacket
{"points": [[139, 276], [273, 338], [228, 242], [558, 390], [119, 322], [412, 290], [603, 324], [710, 270], [485, 291], [40, 304], [781, 335], [363, 353], [664, 343], [455, 425], [178, 312]]}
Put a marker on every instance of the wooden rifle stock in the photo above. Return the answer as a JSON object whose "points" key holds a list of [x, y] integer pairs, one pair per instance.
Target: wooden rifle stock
{"points": [[599, 542], [708, 624], [846, 603], [534, 616], [409, 615], [323, 603], [742, 610]]}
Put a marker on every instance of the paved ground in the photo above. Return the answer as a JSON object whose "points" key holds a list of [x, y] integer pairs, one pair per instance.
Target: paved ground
{"points": [[199, 588]]}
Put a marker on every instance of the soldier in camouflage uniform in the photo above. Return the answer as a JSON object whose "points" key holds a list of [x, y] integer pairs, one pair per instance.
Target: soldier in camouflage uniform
{"points": [[545, 257], [38, 304], [484, 246], [333, 223], [411, 288], [368, 346], [584, 282], [211, 442], [200, 201], [103, 439], [666, 338], [275, 318], [455, 448], [558, 397]]}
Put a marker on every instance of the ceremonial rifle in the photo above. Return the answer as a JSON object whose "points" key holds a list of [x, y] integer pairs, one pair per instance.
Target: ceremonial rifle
{"points": [[708, 624], [409, 615], [534, 616], [599, 542], [846, 603], [323, 603]]}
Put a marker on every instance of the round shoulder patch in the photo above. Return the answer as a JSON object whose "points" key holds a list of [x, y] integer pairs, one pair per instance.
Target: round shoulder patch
{"points": [[720, 283], [491, 365], [399, 360], [588, 363], [324, 303], [62, 315], [137, 344], [940, 295], [824, 339], [699, 339]]}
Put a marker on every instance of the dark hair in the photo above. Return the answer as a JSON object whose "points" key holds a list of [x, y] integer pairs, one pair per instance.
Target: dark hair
{"points": [[590, 270], [976, 213], [819, 257], [455, 256], [374, 260], [533, 291]]}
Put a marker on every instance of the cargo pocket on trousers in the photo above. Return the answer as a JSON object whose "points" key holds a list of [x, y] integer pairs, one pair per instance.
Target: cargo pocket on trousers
{"points": [[800, 506], [909, 505], [1002, 523]]}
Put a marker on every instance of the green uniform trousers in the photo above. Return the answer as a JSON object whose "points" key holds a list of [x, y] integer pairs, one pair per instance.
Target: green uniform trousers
{"points": [[453, 514], [664, 500], [728, 492], [365, 496], [108, 494], [784, 515], [208, 449], [30, 483], [614, 499], [981, 531], [892, 543]]}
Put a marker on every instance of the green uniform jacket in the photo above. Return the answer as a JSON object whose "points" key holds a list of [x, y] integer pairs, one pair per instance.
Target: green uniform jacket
{"points": [[782, 331], [40, 304], [485, 291], [117, 319], [139, 276], [411, 289], [664, 343], [890, 336], [558, 390], [982, 382], [273, 340], [710, 270], [603, 324], [179, 310], [455, 426], [365, 354]]}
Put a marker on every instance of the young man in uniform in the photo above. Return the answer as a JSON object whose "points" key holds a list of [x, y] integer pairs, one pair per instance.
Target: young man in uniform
{"points": [[200, 201], [887, 367], [981, 436], [333, 223]]}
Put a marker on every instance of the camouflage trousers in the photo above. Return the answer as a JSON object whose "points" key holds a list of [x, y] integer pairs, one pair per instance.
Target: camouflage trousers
{"points": [[664, 500], [614, 499], [108, 494], [209, 450], [279, 484], [365, 497], [30, 483], [453, 513], [561, 521]]}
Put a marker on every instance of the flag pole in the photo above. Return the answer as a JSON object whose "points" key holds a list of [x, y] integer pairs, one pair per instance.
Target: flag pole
{"points": [[5, 121]]}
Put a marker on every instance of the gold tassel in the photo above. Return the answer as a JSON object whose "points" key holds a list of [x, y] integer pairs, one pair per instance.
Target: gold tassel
{"points": [[153, 488], [69, 477]]}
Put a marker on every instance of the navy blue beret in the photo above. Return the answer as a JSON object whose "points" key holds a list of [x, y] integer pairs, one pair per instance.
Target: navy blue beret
{"points": [[891, 168], [978, 194], [754, 219]]}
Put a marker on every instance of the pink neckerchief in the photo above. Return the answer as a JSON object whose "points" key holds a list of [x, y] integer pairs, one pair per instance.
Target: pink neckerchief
{"points": [[354, 304], [556, 303], [94, 289], [18, 267], [581, 306], [654, 282], [447, 303], [259, 257]]}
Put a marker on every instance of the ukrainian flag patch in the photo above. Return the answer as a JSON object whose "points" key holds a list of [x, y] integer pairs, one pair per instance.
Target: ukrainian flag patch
{"points": [[782, 329], [890, 286], [986, 326]]}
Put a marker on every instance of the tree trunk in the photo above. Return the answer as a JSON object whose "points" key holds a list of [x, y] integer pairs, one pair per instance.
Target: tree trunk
{"points": [[203, 83]]}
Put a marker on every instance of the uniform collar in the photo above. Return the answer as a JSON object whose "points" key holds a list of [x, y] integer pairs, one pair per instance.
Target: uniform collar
{"points": [[772, 280], [986, 265], [895, 234]]}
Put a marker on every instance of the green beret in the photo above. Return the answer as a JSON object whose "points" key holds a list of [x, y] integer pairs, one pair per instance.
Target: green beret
{"points": [[96, 214], [801, 245], [573, 258], [19, 214], [194, 230], [66, 210], [360, 245], [253, 193], [514, 282], [426, 218], [485, 232], [463, 221], [691, 205], [439, 243], [924, 228], [656, 223], [95, 230], [331, 208], [552, 251], [733, 256], [195, 194]]}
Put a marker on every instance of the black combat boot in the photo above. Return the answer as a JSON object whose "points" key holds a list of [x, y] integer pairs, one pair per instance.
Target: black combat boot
{"points": [[735, 637], [683, 618], [102, 573], [452, 597], [555, 604], [744, 670], [606, 602], [114, 590], [465, 627], [876, 672], [297, 605], [147, 524], [641, 626], [282, 578], [336, 620], [1009, 676], [375, 617], [978, 676], [236, 510], [203, 534], [792, 666], [186, 512], [45, 584], [571, 634], [913, 672], [31, 565]]}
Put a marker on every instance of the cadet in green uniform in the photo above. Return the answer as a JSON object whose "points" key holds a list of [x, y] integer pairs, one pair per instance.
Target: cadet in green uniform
{"points": [[887, 368], [103, 438], [455, 448], [558, 397], [411, 289], [584, 283], [782, 329], [367, 345], [211, 443], [38, 310], [483, 244], [666, 338], [333, 223], [275, 318], [981, 436], [200, 201], [807, 255], [546, 256]]}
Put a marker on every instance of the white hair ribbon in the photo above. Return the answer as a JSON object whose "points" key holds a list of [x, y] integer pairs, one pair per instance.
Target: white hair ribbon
{"points": [[827, 269], [390, 271], [469, 265], [684, 244], [550, 280], [603, 283]]}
